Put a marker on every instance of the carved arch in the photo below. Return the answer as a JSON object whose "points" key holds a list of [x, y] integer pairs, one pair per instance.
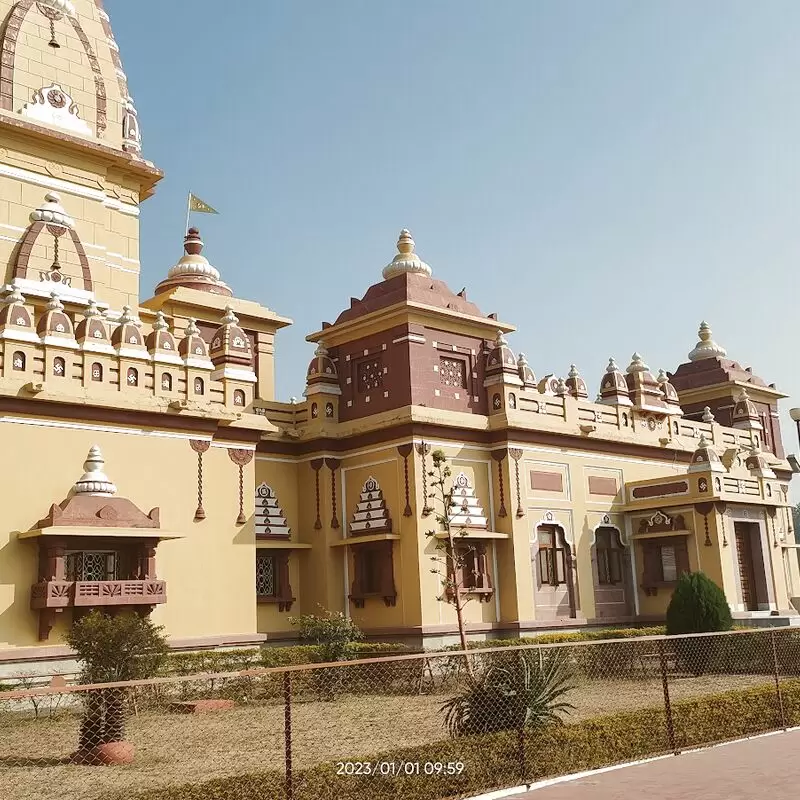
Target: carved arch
{"points": [[23, 255], [8, 52]]}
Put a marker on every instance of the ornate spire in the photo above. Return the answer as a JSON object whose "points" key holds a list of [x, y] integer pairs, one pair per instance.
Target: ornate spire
{"points": [[637, 364], [406, 259], [706, 347], [230, 318], [161, 323], [193, 270], [94, 481]]}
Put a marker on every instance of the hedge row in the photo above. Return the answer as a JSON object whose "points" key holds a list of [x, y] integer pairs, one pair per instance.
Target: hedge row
{"points": [[255, 658], [564, 638], [498, 760]]}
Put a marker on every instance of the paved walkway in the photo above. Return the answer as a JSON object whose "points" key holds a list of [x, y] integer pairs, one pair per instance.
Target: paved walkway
{"points": [[767, 767]]}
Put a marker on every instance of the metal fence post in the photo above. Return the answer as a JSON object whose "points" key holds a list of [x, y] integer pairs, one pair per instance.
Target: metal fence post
{"points": [[778, 692], [667, 706], [287, 732]]}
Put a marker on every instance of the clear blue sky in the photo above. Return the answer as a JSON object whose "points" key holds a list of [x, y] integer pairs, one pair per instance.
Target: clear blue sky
{"points": [[602, 174]]}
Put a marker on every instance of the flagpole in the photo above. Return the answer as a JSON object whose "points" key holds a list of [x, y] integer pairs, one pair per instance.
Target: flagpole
{"points": [[188, 211]]}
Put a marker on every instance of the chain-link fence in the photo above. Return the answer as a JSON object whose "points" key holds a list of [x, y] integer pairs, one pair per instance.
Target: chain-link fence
{"points": [[437, 725]]}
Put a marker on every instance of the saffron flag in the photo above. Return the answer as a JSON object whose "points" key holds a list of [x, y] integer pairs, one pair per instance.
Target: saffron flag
{"points": [[196, 204]]}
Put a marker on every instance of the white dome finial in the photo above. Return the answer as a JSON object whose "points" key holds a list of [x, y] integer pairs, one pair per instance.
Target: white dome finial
{"points": [[706, 347], [406, 259], [94, 481]]}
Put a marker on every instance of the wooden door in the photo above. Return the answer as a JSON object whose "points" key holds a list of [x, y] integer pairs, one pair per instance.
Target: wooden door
{"points": [[744, 556]]}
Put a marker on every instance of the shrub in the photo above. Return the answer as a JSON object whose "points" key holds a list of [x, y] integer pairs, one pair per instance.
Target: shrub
{"points": [[698, 605], [331, 631], [516, 692], [124, 647]]}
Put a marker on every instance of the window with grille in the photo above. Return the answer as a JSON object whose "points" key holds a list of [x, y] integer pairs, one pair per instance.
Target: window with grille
{"points": [[552, 561], [609, 557], [88, 565], [266, 576], [370, 374], [453, 372]]}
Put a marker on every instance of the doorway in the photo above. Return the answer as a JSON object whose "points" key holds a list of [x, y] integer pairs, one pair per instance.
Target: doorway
{"points": [[750, 563], [556, 594]]}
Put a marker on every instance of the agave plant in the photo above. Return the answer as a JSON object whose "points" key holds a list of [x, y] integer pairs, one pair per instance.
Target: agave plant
{"points": [[522, 690]]}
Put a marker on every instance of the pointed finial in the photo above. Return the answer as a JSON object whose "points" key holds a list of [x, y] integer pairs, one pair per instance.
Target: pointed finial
{"points": [[599, 398], [161, 323], [706, 347], [522, 361], [707, 415], [55, 304], [230, 318], [612, 365], [573, 372], [321, 349], [703, 442], [14, 296], [662, 377], [561, 388], [191, 328], [92, 310], [405, 242], [637, 364], [94, 481], [192, 243], [126, 317], [500, 340]]}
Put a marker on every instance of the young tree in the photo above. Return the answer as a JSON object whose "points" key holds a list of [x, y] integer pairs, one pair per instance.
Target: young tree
{"points": [[331, 631], [124, 647], [450, 560]]}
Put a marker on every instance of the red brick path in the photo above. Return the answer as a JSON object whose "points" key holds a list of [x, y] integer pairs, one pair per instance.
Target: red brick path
{"points": [[767, 767]]}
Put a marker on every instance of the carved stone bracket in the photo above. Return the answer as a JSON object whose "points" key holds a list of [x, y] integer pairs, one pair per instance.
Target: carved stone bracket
{"points": [[200, 446], [405, 451], [516, 454], [241, 458], [499, 456], [423, 449], [316, 465], [333, 465]]}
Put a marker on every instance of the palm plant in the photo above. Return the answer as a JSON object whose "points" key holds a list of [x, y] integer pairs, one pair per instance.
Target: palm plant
{"points": [[523, 690]]}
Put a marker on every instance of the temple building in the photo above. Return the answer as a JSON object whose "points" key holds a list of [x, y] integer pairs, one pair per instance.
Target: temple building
{"points": [[155, 472]]}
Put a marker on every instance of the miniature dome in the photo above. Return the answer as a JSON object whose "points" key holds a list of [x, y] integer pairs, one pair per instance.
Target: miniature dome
{"points": [[745, 414], [193, 270], [231, 345], [548, 385], [14, 312], [55, 322], [669, 392], [758, 465], [706, 347], [643, 389], [406, 259], [94, 481], [91, 331], [193, 348], [705, 458], [500, 361], [576, 384], [160, 340], [525, 372], [322, 370], [52, 212], [614, 387], [127, 334], [637, 365]]}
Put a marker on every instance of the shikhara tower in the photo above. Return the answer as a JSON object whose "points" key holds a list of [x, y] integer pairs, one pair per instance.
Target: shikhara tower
{"points": [[228, 508]]}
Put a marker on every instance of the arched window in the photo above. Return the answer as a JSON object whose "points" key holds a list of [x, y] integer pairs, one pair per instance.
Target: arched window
{"points": [[97, 372], [59, 367], [166, 382], [238, 397], [133, 377], [199, 387], [609, 557], [18, 361], [551, 557]]}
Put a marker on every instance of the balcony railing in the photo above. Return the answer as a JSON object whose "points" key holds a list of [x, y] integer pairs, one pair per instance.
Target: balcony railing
{"points": [[68, 594]]}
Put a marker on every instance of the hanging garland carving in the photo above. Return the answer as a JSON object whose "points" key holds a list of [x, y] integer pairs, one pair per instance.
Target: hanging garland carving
{"points": [[405, 451], [316, 465], [499, 456], [241, 458], [199, 446], [721, 508], [705, 509], [423, 449], [333, 465], [516, 454]]}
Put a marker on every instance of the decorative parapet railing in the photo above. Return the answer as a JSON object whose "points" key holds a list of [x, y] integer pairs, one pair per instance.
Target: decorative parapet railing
{"points": [[69, 594]]}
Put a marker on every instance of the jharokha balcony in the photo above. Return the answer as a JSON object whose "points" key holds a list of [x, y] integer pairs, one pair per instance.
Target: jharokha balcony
{"points": [[96, 550]]}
